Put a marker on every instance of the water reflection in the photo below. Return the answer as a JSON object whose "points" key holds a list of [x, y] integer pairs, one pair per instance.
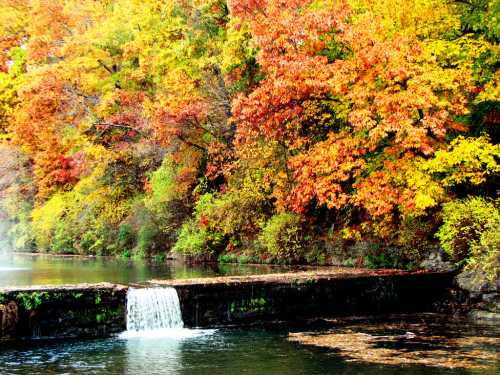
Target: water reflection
{"points": [[153, 356], [27, 269]]}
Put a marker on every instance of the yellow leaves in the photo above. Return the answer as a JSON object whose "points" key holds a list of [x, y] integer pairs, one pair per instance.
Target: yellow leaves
{"points": [[45, 218], [14, 17], [423, 201], [237, 49], [424, 18], [468, 160], [426, 192], [491, 91]]}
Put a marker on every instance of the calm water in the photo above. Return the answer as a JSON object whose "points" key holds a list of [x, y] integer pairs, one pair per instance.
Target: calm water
{"points": [[26, 269], [221, 352], [225, 352]]}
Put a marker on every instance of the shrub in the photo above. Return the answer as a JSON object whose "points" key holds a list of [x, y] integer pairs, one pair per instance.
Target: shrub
{"points": [[281, 236], [237, 213], [126, 237], [145, 240], [63, 240], [18, 232], [470, 233], [486, 254], [165, 206], [194, 240]]}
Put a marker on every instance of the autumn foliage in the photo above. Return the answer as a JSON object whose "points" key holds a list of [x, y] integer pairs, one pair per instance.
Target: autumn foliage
{"points": [[274, 129]]}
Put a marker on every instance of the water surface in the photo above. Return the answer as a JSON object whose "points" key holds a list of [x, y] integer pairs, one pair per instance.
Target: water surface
{"points": [[28, 269], [224, 352]]}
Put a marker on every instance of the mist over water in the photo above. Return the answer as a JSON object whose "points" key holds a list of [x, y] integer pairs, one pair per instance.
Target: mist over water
{"points": [[6, 261]]}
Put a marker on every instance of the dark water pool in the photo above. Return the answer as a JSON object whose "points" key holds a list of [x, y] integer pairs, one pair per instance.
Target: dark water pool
{"points": [[224, 352], [27, 269]]}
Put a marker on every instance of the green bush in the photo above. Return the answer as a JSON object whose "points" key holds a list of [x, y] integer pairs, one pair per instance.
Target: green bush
{"points": [[19, 232], [486, 254], [470, 233], [63, 241], [238, 258], [145, 240], [195, 240], [234, 213], [164, 201], [126, 237], [228, 258], [281, 237]]}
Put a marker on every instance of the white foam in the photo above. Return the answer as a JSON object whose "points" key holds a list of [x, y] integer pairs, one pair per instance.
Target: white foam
{"points": [[168, 333], [8, 269], [156, 313]]}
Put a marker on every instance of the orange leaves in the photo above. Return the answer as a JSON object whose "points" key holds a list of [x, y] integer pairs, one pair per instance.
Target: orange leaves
{"points": [[390, 104], [289, 41], [387, 103], [46, 104], [48, 107], [50, 24], [377, 194], [323, 173], [181, 123]]}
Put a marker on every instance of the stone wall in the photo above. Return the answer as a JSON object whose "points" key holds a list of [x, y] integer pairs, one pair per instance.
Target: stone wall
{"points": [[99, 310], [254, 300], [85, 310]]}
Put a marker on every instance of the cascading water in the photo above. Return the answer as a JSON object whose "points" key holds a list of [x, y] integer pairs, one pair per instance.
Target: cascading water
{"points": [[153, 308], [155, 312]]}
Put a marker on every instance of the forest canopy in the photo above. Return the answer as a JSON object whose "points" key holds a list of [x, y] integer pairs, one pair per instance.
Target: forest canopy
{"points": [[274, 131]]}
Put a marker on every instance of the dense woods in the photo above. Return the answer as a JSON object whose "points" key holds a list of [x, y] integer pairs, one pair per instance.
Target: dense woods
{"points": [[271, 131]]}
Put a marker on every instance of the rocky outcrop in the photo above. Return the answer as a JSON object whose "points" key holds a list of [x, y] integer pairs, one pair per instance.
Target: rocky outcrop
{"points": [[436, 261], [482, 299]]}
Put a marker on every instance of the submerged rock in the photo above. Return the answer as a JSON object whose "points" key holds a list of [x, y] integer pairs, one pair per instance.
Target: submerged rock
{"points": [[445, 344]]}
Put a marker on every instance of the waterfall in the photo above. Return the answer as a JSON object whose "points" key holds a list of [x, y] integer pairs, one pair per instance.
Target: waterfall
{"points": [[156, 313], [151, 309]]}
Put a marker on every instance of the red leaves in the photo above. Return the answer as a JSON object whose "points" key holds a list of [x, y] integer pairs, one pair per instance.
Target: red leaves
{"points": [[246, 8], [204, 221]]}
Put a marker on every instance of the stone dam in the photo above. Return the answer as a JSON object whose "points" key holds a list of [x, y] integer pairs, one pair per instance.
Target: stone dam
{"points": [[100, 310]]}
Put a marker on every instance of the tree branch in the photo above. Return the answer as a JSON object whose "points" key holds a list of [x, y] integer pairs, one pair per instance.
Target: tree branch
{"points": [[120, 126]]}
